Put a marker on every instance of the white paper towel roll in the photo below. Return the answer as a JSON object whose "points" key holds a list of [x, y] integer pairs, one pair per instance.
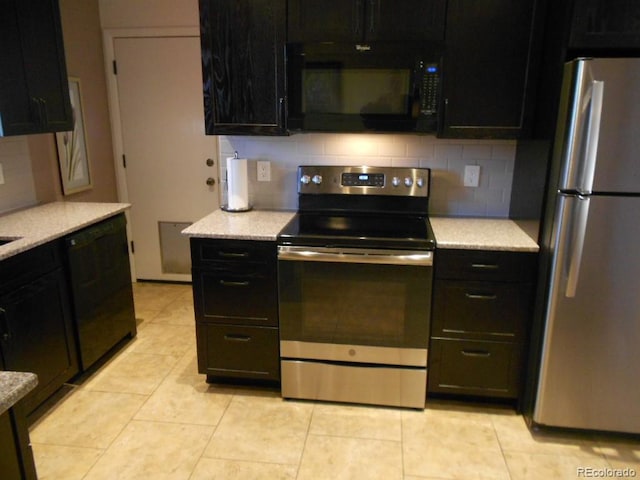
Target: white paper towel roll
{"points": [[237, 184]]}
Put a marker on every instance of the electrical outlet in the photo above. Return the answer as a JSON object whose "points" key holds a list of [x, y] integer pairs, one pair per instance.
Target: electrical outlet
{"points": [[471, 175], [264, 171], [1, 175]]}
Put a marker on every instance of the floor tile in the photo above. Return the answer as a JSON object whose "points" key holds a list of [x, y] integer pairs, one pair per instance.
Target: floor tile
{"points": [[87, 419], [262, 428], [151, 450], [186, 399], [164, 340], [56, 462], [340, 458], [178, 312], [356, 421], [214, 469], [525, 466], [187, 365], [133, 373], [621, 452]]}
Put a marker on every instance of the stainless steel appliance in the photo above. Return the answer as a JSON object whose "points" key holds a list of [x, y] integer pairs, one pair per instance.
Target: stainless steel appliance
{"points": [[354, 286], [590, 353], [353, 88]]}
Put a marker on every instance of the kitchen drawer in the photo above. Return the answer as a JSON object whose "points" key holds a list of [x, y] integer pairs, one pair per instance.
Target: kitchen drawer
{"points": [[208, 252], [221, 295], [474, 368], [237, 351], [24, 267], [485, 265], [490, 310]]}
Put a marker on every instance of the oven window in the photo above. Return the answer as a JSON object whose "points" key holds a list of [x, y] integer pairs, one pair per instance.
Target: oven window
{"points": [[356, 91], [356, 304]]}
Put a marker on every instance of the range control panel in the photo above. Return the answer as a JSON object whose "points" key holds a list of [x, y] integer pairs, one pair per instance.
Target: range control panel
{"points": [[363, 180]]}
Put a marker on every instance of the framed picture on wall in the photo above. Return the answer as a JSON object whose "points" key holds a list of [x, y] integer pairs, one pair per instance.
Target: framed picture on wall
{"points": [[73, 153]]}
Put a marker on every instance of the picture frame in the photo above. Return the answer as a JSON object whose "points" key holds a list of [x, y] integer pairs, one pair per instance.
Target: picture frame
{"points": [[73, 151]]}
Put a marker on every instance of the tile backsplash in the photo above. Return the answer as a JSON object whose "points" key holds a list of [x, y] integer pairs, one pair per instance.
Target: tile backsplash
{"points": [[18, 189], [446, 158]]}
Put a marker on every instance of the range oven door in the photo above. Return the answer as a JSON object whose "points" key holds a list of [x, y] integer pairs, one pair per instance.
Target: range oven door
{"points": [[354, 317]]}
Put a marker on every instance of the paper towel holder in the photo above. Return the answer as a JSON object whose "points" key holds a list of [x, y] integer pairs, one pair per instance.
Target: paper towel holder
{"points": [[227, 208]]}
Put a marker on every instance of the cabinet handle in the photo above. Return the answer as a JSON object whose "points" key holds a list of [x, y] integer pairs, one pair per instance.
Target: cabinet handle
{"points": [[233, 254], [4, 325], [372, 8], [234, 337], [485, 266], [227, 283], [479, 296], [476, 353], [281, 113], [358, 13], [43, 107]]}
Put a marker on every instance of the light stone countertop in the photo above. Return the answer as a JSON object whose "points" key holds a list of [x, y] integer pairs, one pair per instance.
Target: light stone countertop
{"points": [[14, 386], [481, 234], [251, 225], [38, 225]]}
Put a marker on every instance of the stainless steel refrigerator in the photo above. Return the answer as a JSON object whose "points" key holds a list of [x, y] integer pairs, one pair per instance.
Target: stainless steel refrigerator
{"points": [[590, 369]]}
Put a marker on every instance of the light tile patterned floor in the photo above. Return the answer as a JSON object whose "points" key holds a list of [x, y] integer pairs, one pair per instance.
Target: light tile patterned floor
{"points": [[147, 414]]}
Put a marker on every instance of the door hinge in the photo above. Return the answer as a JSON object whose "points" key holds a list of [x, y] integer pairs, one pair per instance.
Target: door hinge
{"points": [[124, 161], [133, 250], [115, 68]]}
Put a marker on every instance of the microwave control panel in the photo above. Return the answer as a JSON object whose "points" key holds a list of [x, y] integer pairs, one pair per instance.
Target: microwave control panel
{"points": [[430, 86]]}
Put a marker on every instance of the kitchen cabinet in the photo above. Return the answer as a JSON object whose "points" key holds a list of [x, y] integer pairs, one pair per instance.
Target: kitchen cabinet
{"points": [[481, 311], [36, 332], [605, 24], [489, 59], [365, 20], [34, 91], [236, 308], [16, 461], [243, 46]]}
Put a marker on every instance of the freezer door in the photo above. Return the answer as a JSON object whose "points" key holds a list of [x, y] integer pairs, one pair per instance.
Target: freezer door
{"points": [[591, 351], [598, 141]]}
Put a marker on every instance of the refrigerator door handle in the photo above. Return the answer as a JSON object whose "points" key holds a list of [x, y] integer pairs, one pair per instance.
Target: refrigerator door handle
{"points": [[580, 215], [593, 135]]}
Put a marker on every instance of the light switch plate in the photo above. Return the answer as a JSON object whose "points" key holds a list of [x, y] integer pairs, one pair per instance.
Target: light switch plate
{"points": [[471, 175], [1, 175], [264, 171]]}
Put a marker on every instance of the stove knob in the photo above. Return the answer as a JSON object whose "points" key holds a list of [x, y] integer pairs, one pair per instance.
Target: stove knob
{"points": [[395, 181], [305, 179], [420, 182], [317, 179], [408, 181]]}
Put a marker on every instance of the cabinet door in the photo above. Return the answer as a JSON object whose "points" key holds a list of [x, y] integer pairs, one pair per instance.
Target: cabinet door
{"points": [[325, 21], [243, 66], [605, 24], [35, 328], [405, 20], [486, 67], [10, 458], [34, 93]]}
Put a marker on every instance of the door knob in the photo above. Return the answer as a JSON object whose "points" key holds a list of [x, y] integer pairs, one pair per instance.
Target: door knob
{"points": [[211, 181]]}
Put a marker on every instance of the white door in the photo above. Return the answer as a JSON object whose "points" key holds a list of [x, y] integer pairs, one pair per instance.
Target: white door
{"points": [[159, 84]]}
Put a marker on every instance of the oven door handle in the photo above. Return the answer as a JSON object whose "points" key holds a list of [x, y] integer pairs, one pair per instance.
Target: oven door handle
{"points": [[356, 255]]}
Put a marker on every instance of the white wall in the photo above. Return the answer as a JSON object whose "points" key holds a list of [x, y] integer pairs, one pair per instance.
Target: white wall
{"points": [[18, 190], [446, 158], [148, 13]]}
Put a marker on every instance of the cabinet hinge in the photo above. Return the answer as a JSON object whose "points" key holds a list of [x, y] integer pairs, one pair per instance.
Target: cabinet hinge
{"points": [[133, 250], [124, 161], [115, 68]]}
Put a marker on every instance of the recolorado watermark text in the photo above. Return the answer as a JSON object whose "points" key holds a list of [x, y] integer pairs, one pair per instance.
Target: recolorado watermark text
{"points": [[589, 472]]}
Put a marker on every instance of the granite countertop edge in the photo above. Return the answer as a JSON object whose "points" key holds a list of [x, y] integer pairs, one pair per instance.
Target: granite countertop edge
{"points": [[35, 226], [252, 225], [14, 386]]}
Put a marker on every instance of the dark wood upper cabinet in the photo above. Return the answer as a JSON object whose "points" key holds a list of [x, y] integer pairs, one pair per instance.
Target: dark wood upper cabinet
{"points": [[488, 63], [34, 92], [605, 24], [243, 72], [365, 20]]}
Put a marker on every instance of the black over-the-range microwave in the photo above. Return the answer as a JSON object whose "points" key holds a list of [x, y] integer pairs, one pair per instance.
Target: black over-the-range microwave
{"points": [[334, 87]]}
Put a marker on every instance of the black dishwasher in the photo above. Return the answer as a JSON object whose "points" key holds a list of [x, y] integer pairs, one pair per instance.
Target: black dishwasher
{"points": [[102, 295]]}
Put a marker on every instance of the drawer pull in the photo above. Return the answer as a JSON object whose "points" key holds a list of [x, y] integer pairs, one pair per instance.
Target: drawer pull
{"points": [[485, 266], [237, 338], [475, 353], [227, 283], [478, 296], [233, 254]]}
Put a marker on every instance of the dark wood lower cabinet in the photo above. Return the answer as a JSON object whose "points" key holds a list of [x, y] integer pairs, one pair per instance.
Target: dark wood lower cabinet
{"points": [[16, 457]]}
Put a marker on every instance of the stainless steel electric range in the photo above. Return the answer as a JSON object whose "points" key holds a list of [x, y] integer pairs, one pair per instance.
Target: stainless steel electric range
{"points": [[354, 283]]}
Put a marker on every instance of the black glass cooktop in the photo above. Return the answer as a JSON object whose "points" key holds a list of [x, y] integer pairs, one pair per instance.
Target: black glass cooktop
{"points": [[367, 231]]}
